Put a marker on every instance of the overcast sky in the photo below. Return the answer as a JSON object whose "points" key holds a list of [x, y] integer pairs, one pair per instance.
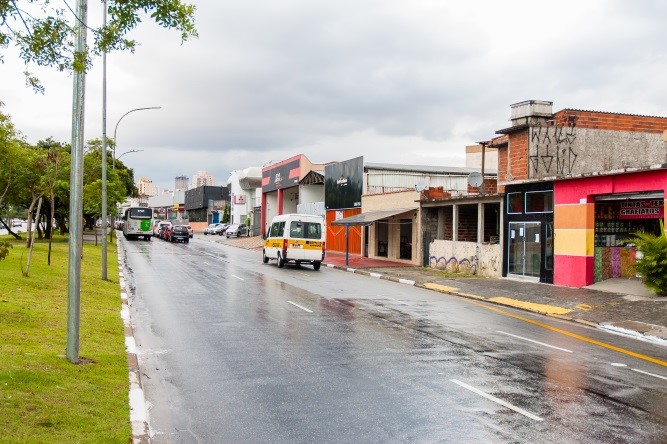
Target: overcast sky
{"points": [[396, 81]]}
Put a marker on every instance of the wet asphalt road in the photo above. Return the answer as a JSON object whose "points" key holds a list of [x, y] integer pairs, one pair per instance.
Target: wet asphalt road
{"points": [[232, 350]]}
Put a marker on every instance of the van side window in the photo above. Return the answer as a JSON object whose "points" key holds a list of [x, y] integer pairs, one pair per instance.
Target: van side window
{"points": [[277, 229]]}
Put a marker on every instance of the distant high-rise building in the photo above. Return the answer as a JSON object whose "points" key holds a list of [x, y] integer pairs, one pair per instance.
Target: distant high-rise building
{"points": [[145, 186], [182, 183], [202, 178]]}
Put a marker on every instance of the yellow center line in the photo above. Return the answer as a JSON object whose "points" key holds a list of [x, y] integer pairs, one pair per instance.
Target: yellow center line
{"points": [[574, 335]]}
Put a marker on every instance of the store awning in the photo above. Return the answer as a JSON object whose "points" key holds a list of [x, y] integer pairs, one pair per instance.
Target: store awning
{"points": [[370, 217]]}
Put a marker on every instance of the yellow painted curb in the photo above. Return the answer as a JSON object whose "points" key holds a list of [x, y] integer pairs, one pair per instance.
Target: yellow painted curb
{"points": [[438, 287], [531, 306]]}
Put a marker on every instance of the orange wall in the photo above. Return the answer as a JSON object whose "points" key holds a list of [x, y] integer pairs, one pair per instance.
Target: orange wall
{"points": [[336, 233]]}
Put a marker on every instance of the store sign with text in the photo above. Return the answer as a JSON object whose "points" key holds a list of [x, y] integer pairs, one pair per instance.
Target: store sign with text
{"points": [[642, 209]]}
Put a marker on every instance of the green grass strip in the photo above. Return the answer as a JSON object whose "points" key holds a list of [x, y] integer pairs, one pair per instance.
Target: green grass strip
{"points": [[44, 397]]}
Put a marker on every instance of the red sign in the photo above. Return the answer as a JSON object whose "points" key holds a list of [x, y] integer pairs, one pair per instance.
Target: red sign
{"points": [[642, 209]]}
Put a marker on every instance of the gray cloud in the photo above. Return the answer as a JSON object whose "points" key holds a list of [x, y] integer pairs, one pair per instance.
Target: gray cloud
{"points": [[391, 80]]}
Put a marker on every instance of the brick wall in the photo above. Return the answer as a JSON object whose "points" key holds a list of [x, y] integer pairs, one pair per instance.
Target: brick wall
{"points": [[467, 231], [448, 222], [609, 121], [489, 186], [518, 149]]}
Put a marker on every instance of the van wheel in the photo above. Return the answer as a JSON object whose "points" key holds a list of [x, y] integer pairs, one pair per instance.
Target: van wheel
{"points": [[316, 265], [264, 258], [298, 264], [281, 261]]}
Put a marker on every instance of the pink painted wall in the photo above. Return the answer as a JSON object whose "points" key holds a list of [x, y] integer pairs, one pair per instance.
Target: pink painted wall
{"points": [[578, 271]]}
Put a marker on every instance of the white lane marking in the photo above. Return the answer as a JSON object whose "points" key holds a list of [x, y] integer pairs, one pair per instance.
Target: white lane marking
{"points": [[376, 275], [536, 342], [497, 400], [302, 308], [618, 364], [395, 300], [406, 281], [647, 373], [234, 276]]}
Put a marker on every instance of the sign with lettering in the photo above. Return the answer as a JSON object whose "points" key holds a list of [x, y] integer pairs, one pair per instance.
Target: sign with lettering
{"points": [[642, 209]]}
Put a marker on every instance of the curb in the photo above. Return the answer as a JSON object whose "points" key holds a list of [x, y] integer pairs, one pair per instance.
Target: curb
{"points": [[478, 298], [138, 413]]}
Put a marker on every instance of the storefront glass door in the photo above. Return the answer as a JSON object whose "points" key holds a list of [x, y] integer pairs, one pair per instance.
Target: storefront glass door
{"points": [[524, 257]]}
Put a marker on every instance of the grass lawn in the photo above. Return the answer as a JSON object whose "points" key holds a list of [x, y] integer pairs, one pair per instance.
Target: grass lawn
{"points": [[44, 397]]}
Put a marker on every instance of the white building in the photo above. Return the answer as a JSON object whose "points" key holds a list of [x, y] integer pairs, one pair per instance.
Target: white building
{"points": [[245, 189]]}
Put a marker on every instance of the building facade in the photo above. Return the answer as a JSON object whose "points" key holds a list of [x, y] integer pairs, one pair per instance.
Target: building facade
{"points": [[290, 185], [577, 185]]}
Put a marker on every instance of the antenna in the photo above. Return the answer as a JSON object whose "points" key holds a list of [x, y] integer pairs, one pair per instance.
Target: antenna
{"points": [[475, 179], [420, 186]]}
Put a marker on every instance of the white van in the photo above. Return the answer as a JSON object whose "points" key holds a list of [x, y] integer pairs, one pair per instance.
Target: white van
{"points": [[295, 238]]}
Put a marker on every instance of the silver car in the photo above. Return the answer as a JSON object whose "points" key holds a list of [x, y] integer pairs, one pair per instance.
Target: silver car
{"points": [[237, 230], [210, 228]]}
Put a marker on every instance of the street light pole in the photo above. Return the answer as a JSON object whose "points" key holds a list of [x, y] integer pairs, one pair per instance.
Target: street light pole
{"points": [[115, 143], [104, 152], [128, 152]]}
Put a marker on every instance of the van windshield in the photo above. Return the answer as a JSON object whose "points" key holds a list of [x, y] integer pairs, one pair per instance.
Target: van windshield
{"points": [[305, 230]]}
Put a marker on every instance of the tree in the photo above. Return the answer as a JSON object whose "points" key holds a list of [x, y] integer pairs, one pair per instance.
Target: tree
{"points": [[44, 34], [11, 145]]}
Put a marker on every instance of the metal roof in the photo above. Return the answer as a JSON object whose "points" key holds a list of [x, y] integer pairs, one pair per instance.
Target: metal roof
{"points": [[426, 169], [370, 217]]}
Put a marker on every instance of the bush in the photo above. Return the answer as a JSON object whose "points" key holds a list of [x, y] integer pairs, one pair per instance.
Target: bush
{"points": [[4, 249], [653, 264]]}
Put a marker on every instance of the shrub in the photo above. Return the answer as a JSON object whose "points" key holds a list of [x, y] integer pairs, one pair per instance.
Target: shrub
{"points": [[653, 264], [4, 249]]}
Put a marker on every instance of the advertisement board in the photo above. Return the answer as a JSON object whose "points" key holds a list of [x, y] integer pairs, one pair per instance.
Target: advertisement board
{"points": [[282, 175], [343, 184]]}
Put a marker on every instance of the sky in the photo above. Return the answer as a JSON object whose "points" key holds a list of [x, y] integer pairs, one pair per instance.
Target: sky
{"points": [[395, 81]]}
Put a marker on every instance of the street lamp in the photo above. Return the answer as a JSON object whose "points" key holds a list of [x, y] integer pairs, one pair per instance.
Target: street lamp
{"points": [[128, 152], [115, 143]]}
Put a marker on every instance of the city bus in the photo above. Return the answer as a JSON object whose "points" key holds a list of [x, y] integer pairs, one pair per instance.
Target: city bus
{"points": [[137, 222]]}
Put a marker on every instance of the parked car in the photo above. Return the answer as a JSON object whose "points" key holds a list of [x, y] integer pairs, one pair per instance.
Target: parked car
{"points": [[179, 233], [220, 229], [237, 230], [163, 233], [191, 231], [210, 228], [158, 225]]}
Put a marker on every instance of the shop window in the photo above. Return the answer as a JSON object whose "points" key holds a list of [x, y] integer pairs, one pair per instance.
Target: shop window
{"points": [[539, 202], [514, 203]]}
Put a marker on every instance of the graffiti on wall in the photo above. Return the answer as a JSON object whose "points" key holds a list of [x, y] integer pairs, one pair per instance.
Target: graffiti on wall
{"points": [[552, 149], [454, 265]]}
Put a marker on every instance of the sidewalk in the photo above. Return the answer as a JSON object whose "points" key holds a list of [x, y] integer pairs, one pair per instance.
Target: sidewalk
{"points": [[617, 305]]}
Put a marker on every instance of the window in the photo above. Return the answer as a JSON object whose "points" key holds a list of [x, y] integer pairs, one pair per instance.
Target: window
{"points": [[514, 203], [305, 230], [277, 229], [539, 202]]}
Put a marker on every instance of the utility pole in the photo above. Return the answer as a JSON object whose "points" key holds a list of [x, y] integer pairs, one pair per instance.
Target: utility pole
{"points": [[76, 191], [104, 151]]}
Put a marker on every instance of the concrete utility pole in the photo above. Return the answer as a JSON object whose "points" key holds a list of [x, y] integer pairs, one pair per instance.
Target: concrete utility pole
{"points": [[104, 151], [76, 192]]}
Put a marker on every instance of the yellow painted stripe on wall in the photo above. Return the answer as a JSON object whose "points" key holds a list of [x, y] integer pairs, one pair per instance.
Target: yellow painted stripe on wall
{"points": [[574, 216], [574, 242]]}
